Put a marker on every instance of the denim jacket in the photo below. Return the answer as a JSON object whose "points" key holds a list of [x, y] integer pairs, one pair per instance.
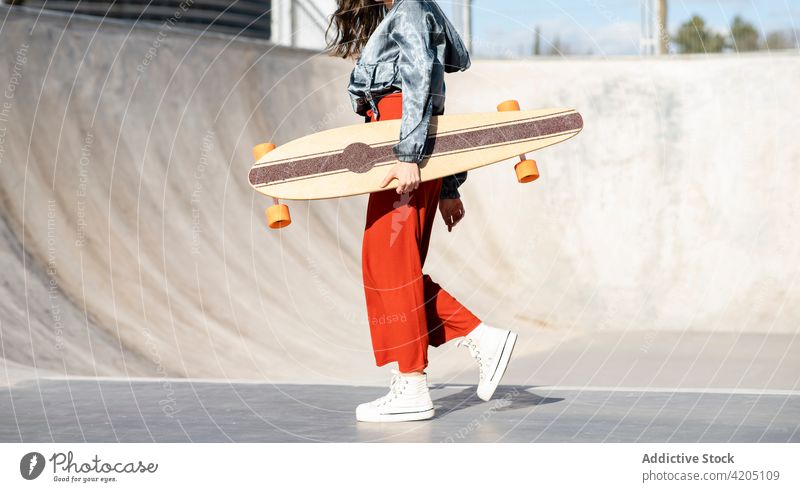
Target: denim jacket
{"points": [[410, 50]]}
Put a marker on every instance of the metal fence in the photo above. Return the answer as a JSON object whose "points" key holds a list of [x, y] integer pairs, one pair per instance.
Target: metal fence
{"points": [[248, 18]]}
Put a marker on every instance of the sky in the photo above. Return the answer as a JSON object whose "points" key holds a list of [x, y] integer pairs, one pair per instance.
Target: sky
{"points": [[606, 27]]}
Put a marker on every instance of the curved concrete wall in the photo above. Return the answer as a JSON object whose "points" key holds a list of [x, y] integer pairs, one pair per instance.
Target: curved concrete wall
{"points": [[133, 245], [674, 209]]}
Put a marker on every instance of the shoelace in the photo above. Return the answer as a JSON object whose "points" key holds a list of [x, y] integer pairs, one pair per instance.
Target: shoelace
{"points": [[474, 352], [396, 386]]}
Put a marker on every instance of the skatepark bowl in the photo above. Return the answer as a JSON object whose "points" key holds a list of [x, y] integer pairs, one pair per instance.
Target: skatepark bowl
{"points": [[650, 273]]}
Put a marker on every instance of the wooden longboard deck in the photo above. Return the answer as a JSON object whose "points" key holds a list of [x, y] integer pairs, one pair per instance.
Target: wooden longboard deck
{"points": [[354, 159]]}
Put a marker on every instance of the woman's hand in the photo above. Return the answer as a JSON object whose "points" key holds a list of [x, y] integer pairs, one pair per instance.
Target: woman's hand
{"points": [[407, 175], [452, 212]]}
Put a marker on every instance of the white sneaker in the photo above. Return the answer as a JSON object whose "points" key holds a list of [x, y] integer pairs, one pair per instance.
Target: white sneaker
{"points": [[492, 348], [408, 399]]}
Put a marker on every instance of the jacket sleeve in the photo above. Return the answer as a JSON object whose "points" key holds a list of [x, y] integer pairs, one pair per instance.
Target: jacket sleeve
{"points": [[450, 186], [416, 34]]}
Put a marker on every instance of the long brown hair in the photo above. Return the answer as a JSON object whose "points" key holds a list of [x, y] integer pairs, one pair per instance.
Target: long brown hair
{"points": [[351, 26]]}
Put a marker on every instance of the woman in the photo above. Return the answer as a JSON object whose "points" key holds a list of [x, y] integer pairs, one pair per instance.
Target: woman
{"points": [[403, 49]]}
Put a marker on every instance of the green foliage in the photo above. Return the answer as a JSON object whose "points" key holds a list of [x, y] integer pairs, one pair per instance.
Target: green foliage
{"points": [[744, 36], [558, 48], [778, 40], [695, 37]]}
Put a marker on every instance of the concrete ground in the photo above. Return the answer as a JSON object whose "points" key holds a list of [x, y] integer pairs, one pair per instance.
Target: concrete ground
{"points": [[572, 394], [70, 410]]}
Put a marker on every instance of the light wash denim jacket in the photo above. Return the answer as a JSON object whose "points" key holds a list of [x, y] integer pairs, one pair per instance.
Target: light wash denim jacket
{"points": [[410, 50]]}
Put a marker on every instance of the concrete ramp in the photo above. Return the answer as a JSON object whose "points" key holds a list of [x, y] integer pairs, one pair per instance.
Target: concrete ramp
{"points": [[132, 244]]}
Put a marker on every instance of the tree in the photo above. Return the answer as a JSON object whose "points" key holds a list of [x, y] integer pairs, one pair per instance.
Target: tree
{"points": [[558, 48], [694, 37], [537, 42], [744, 36], [778, 40]]}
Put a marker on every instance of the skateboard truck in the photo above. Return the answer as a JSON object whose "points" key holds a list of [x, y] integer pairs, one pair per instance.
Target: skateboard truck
{"points": [[278, 214], [526, 169]]}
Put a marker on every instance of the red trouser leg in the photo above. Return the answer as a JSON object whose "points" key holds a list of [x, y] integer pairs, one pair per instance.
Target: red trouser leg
{"points": [[407, 311]]}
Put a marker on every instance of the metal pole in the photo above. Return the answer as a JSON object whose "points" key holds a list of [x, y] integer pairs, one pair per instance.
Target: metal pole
{"points": [[292, 23], [467, 19], [643, 27], [663, 34], [655, 39]]}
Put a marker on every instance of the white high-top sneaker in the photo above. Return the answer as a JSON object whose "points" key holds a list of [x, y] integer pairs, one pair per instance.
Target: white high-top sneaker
{"points": [[492, 348], [408, 399]]}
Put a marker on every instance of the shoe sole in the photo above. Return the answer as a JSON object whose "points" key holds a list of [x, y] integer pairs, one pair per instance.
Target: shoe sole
{"points": [[500, 370], [398, 417]]}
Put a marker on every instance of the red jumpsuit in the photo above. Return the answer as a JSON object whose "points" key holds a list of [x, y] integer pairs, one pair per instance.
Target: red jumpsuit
{"points": [[407, 310]]}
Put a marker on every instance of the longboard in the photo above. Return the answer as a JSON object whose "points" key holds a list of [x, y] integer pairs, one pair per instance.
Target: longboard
{"points": [[353, 160]]}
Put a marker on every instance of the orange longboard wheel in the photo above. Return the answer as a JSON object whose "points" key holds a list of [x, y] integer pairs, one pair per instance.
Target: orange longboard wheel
{"points": [[527, 171], [510, 105], [263, 149], [278, 216]]}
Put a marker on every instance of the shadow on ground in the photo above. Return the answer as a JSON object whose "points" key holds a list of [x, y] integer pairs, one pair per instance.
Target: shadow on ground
{"points": [[506, 398]]}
